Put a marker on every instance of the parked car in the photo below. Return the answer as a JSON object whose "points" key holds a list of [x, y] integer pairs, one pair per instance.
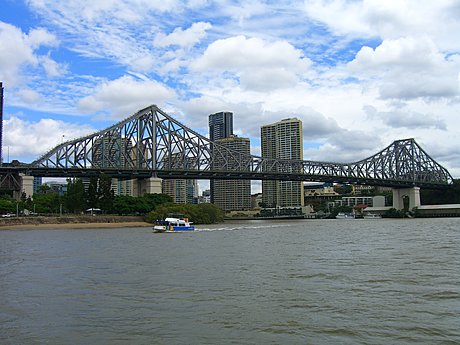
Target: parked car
{"points": [[7, 215]]}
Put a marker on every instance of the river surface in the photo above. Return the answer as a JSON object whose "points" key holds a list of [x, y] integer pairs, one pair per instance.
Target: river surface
{"points": [[260, 282]]}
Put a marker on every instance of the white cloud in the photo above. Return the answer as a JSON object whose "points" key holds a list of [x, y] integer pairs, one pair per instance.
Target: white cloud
{"points": [[389, 19], [183, 38], [27, 140], [124, 96], [28, 96], [407, 68], [259, 64], [20, 60], [41, 37], [16, 51], [52, 68]]}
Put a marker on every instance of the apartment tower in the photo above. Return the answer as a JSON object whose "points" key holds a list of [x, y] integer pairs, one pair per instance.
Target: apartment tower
{"points": [[230, 195], [282, 140], [233, 195], [220, 127], [181, 191]]}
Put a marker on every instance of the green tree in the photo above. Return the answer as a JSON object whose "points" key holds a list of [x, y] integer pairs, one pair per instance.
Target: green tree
{"points": [[154, 200], [450, 195], [75, 198], [105, 193], [198, 214], [7, 205], [43, 189], [343, 189], [47, 203], [124, 204], [92, 198]]}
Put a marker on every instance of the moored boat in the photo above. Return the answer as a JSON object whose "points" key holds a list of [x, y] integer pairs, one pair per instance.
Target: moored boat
{"points": [[372, 216], [343, 215], [173, 225]]}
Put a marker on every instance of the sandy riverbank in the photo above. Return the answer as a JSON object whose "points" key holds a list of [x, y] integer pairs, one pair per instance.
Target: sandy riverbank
{"points": [[76, 226], [72, 222]]}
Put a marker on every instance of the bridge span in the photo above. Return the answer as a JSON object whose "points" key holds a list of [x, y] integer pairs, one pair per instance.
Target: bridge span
{"points": [[150, 143]]}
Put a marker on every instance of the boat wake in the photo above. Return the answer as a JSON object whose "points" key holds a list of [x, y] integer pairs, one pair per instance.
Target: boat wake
{"points": [[240, 227]]}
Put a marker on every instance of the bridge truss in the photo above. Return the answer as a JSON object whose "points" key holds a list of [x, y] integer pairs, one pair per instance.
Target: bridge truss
{"points": [[151, 143]]}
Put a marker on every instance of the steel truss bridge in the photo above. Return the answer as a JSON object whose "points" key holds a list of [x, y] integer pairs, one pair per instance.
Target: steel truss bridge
{"points": [[151, 143]]}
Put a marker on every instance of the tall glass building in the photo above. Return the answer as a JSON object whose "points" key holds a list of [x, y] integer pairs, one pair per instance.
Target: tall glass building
{"points": [[229, 195], [220, 125], [282, 140]]}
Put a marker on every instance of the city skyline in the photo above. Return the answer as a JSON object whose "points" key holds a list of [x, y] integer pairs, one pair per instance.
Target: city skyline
{"points": [[359, 74]]}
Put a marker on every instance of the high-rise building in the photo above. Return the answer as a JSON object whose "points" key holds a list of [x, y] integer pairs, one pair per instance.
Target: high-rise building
{"points": [[37, 183], [182, 191], [220, 127], [233, 195], [123, 187], [282, 140]]}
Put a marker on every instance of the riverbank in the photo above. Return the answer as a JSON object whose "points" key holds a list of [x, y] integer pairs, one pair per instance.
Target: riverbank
{"points": [[72, 222]]}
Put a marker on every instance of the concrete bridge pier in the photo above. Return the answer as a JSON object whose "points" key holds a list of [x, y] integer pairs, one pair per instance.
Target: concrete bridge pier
{"points": [[27, 187], [412, 193], [151, 185]]}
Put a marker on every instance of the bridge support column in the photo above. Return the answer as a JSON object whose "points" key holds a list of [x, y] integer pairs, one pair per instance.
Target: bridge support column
{"points": [[27, 187], [412, 193], [150, 185]]}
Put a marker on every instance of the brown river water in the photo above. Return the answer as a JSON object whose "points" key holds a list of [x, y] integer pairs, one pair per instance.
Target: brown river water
{"points": [[250, 282]]}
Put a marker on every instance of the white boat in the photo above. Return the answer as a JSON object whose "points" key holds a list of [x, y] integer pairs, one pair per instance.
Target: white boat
{"points": [[372, 216], [343, 215], [173, 225]]}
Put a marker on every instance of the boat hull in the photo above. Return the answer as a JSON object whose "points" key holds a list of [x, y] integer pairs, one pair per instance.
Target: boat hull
{"points": [[183, 228], [161, 229]]}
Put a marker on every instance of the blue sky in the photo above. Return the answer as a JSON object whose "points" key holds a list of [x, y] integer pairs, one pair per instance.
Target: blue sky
{"points": [[359, 74]]}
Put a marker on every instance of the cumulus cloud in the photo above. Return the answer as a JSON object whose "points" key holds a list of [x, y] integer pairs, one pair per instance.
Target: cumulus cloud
{"points": [[28, 139], [19, 50], [259, 64], [41, 37], [183, 38], [123, 96], [408, 67], [389, 19]]}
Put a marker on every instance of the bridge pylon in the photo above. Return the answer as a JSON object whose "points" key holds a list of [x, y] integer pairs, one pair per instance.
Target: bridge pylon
{"points": [[400, 193], [151, 185]]}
